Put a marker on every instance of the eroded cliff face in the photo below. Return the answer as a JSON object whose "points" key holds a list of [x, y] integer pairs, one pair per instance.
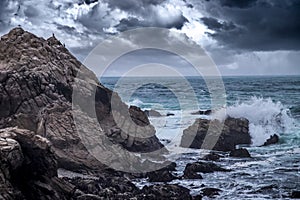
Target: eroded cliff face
{"points": [[36, 85]]}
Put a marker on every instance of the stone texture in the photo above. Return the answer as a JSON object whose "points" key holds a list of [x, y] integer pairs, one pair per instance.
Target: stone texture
{"points": [[192, 169], [29, 168], [274, 139], [36, 90], [234, 132], [240, 153]]}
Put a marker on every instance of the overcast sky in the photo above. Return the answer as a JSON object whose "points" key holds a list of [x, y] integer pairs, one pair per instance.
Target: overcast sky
{"points": [[246, 37]]}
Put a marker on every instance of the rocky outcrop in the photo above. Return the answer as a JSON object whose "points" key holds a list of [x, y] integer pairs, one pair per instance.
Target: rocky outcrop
{"points": [[29, 168], [274, 139], [36, 85], [240, 153], [165, 192], [221, 136]]}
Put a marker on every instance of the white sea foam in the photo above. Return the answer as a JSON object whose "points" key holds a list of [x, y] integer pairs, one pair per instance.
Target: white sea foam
{"points": [[136, 102], [266, 117]]}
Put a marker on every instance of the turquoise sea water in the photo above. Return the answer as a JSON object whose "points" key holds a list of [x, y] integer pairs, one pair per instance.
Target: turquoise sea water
{"points": [[271, 104]]}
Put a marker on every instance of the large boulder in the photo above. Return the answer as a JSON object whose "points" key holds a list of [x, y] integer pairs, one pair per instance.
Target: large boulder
{"points": [[36, 92], [223, 136], [29, 168]]}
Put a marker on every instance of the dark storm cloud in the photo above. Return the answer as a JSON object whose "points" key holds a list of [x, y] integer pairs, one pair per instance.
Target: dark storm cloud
{"points": [[255, 25], [133, 5], [214, 24], [238, 3], [126, 24]]}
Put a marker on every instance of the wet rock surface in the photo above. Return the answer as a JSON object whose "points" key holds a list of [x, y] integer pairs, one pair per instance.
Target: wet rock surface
{"points": [[29, 167], [221, 136], [202, 112], [240, 153], [36, 84], [274, 139], [38, 133], [204, 167]]}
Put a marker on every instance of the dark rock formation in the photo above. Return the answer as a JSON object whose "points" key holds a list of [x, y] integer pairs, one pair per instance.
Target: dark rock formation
{"points": [[234, 132], [29, 168], [274, 139], [212, 156], [36, 85], [204, 167], [240, 153], [202, 112], [152, 113], [165, 192], [161, 176], [210, 192], [295, 195]]}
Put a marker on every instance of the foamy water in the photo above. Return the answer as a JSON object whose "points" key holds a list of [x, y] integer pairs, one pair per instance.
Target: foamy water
{"points": [[271, 104]]}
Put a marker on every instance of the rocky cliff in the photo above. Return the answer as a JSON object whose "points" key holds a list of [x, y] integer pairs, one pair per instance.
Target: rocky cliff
{"points": [[36, 86]]}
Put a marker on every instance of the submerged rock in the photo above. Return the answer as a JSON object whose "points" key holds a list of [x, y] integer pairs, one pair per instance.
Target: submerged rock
{"points": [[222, 137], [210, 192], [274, 139], [240, 153]]}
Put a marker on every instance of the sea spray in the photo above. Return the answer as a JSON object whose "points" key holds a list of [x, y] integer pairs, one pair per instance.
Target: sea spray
{"points": [[265, 116]]}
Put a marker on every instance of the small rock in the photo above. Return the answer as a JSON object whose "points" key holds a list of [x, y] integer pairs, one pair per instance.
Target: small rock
{"points": [[170, 114], [295, 195], [240, 153], [272, 140], [210, 192], [152, 113], [161, 176], [202, 112], [212, 156]]}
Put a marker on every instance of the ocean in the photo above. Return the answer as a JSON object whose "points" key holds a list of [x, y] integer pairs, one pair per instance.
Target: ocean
{"points": [[272, 106]]}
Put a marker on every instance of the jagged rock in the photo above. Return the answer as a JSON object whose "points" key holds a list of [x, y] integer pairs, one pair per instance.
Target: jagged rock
{"points": [[202, 112], [153, 113], [29, 168], [36, 93], [234, 132], [165, 192], [192, 169], [161, 176], [274, 139], [212, 156], [240, 153]]}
